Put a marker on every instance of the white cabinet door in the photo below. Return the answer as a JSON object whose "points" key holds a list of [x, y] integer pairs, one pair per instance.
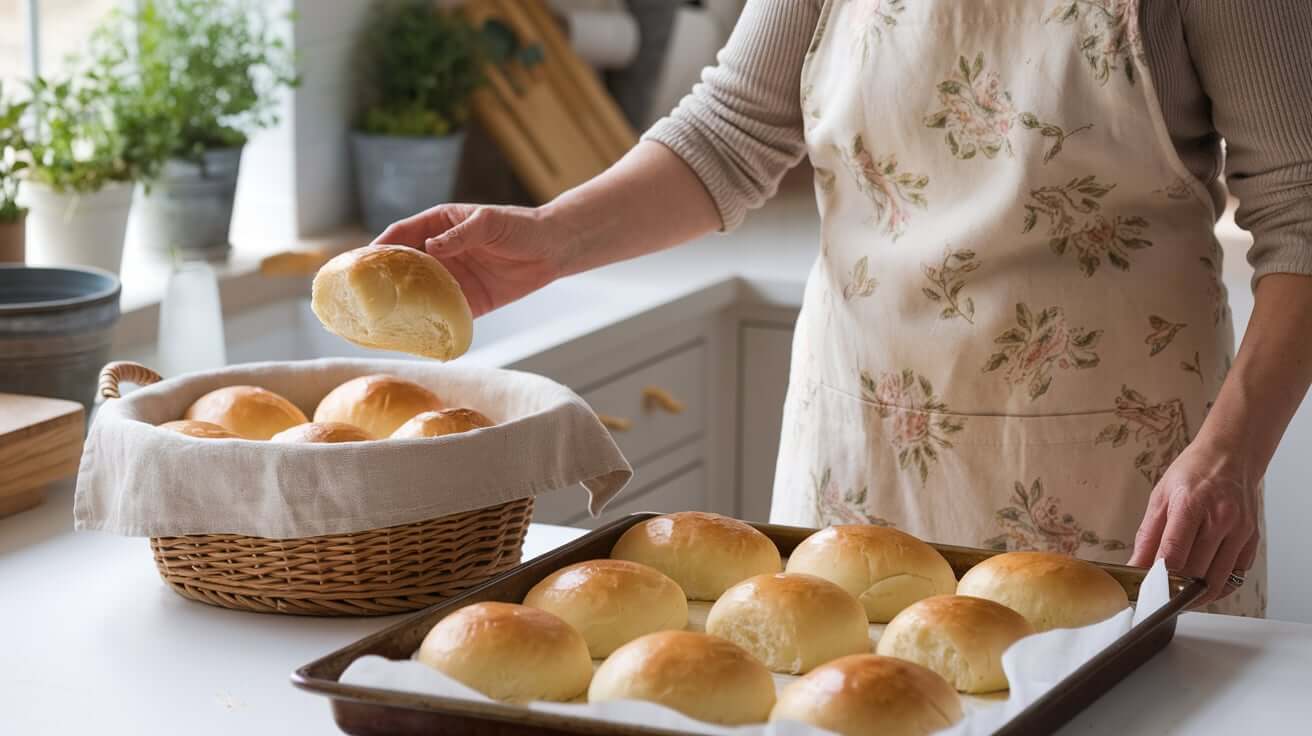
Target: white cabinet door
{"points": [[763, 381]]}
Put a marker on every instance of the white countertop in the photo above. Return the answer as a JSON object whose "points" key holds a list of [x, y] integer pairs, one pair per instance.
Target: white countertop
{"points": [[93, 642]]}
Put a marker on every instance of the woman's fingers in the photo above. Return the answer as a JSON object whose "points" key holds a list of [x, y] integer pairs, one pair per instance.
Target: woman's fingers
{"points": [[1223, 563], [1182, 522], [478, 229], [1149, 537], [416, 229]]}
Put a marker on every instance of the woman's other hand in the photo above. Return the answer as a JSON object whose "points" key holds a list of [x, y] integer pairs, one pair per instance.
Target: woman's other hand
{"points": [[1202, 519], [497, 253]]}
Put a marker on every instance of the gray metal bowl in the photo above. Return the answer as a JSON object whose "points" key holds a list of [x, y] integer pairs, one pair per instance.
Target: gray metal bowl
{"points": [[56, 325]]}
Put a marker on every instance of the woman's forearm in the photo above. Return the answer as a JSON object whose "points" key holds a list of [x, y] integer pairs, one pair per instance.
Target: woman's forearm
{"points": [[648, 201], [1269, 378]]}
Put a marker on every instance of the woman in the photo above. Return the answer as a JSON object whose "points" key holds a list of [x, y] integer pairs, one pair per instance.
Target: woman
{"points": [[1015, 334]]}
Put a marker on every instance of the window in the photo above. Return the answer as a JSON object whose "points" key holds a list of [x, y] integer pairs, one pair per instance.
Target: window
{"points": [[14, 61], [63, 27]]}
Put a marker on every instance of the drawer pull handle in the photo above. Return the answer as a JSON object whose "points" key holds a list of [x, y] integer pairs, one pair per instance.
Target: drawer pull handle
{"points": [[615, 424], [657, 397]]}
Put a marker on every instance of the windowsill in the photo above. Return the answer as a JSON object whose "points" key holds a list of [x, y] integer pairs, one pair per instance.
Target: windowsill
{"points": [[241, 285]]}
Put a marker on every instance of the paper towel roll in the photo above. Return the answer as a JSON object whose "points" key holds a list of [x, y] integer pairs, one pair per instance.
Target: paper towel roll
{"points": [[604, 39]]}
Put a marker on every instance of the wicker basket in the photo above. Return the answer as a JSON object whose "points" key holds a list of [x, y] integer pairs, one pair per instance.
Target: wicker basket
{"points": [[370, 573]]}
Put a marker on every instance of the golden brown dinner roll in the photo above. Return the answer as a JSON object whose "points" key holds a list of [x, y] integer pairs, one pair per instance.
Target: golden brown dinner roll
{"points": [[887, 570], [377, 404], [438, 423], [611, 602], [699, 675], [959, 637], [791, 622], [250, 412], [1052, 591], [393, 298], [322, 433], [509, 652], [868, 695], [203, 430], [704, 553]]}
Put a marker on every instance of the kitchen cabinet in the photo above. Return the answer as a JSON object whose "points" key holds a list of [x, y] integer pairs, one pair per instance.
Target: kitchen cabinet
{"points": [[674, 482], [656, 403], [650, 391], [764, 354]]}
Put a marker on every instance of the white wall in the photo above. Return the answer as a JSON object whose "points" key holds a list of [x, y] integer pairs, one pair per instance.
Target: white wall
{"points": [[303, 166], [327, 32]]}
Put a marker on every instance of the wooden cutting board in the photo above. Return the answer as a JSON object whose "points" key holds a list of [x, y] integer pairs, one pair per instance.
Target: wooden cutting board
{"points": [[40, 442]]}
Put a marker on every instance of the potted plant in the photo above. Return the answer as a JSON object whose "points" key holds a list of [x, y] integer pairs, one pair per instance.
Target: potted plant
{"points": [[422, 65], [12, 148], [195, 78], [80, 173]]}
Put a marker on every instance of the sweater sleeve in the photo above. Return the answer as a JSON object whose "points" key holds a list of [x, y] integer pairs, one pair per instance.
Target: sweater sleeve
{"points": [[741, 128], [1255, 64]]}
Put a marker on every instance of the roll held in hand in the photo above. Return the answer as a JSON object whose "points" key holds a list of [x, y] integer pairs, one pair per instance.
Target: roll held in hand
{"points": [[392, 297]]}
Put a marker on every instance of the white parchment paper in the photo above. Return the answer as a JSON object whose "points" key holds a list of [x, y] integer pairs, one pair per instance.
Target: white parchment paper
{"points": [[1033, 666]]}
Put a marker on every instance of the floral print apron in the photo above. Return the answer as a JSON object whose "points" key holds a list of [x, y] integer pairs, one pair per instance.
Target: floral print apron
{"points": [[1017, 319]]}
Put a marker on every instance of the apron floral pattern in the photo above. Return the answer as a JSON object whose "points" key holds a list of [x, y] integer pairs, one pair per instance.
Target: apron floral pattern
{"points": [[1016, 319]]}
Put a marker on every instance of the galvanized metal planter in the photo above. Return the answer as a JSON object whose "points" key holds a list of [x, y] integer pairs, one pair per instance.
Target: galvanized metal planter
{"points": [[396, 177], [56, 325], [189, 208]]}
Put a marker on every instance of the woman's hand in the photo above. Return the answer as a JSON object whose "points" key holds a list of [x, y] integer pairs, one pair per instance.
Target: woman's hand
{"points": [[1202, 518], [497, 253]]}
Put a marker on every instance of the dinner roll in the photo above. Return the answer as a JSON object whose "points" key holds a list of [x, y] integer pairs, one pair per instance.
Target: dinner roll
{"points": [[611, 602], [203, 430], [393, 297], [509, 652], [322, 433], [250, 412], [699, 675], [377, 404], [1052, 591], [704, 553], [791, 622], [868, 695], [887, 570], [959, 637], [438, 423]]}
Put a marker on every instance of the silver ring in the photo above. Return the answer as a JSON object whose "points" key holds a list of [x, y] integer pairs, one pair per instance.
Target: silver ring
{"points": [[1236, 579]]}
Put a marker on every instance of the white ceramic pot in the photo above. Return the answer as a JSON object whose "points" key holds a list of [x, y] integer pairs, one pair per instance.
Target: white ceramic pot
{"points": [[75, 229]]}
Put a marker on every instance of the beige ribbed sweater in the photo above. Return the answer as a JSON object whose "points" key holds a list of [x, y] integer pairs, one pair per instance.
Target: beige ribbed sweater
{"points": [[1234, 69]]}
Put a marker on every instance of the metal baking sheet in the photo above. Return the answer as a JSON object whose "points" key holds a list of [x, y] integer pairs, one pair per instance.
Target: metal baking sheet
{"points": [[363, 711]]}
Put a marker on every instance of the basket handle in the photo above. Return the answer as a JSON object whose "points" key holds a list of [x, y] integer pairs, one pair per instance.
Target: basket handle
{"points": [[124, 371]]}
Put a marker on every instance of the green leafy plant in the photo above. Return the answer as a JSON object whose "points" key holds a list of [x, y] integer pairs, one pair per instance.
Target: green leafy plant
{"points": [[13, 149], [187, 76], [75, 145], [422, 66]]}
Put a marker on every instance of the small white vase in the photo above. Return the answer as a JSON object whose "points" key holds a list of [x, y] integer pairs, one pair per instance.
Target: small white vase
{"points": [[77, 229]]}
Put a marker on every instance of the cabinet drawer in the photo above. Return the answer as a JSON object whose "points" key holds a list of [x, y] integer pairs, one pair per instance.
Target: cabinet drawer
{"points": [[643, 425]]}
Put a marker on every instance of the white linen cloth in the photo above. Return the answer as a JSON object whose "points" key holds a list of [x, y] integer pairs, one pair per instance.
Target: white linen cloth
{"points": [[138, 480]]}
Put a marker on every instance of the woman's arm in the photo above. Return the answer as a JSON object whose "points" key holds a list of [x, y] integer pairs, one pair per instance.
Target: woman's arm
{"points": [[1203, 516], [722, 152], [1256, 66]]}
